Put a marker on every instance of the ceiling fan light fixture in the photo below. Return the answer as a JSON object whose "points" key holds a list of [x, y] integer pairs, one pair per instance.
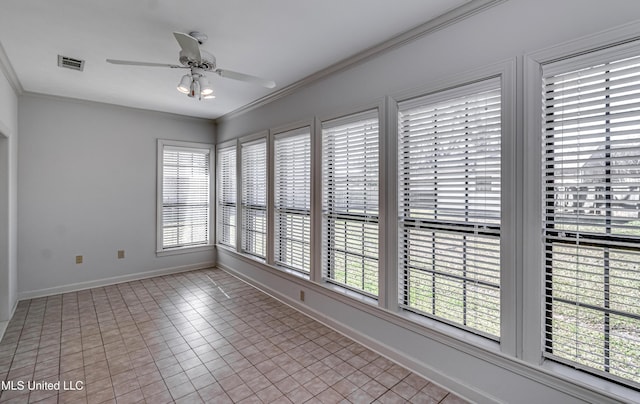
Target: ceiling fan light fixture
{"points": [[185, 84], [209, 96], [205, 87]]}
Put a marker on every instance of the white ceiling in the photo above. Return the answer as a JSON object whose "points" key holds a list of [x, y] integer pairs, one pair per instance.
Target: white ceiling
{"points": [[282, 40]]}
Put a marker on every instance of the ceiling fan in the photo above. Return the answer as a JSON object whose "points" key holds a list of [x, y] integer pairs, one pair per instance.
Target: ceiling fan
{"points": [[198, 61]]}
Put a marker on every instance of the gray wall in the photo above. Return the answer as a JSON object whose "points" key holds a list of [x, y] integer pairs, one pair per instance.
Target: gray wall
{"points": [[87, 176], [505, 32], [8, 199]]}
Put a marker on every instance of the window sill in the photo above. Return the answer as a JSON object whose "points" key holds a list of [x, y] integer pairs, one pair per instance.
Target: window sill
{"points": [[351, 294], [452, 331], [262, 263], [184, 250], [252, 257], [292, 272], [589, 381]]}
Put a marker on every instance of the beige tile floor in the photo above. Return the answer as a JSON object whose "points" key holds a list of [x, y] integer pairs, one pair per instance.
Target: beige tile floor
{"points": [[201, 336]]}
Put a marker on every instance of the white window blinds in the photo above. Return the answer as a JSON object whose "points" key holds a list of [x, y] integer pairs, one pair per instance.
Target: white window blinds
{"points": [[350, 201], [449, 177], [227, 196], [254, 198], [292, 194], [185, 197], [591, 180]]}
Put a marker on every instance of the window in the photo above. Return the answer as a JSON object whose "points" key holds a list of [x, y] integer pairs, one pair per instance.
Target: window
{"points": [[184, 185], [350, 201], [292, 187], [591, 223], [254, 198], [227, 196], [449, 185]]}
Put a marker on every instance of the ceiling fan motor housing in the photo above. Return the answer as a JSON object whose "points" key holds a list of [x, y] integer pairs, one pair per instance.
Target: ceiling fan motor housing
{"points": [[208, 61]]}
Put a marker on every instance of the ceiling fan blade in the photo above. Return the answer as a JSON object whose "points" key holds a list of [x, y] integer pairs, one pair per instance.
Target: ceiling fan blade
{"points": [[190, 46], [132, 63], [246, 78]]}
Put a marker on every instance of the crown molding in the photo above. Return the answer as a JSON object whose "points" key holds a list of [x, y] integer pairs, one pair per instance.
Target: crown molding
{"points": [[451, 17], [84, 101], [7, 69]]}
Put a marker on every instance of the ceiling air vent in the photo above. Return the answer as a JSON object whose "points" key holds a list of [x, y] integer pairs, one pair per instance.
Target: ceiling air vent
{"points": [[70, 63]]}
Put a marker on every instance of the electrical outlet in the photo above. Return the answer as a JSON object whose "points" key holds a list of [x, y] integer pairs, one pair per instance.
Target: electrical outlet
{"points": [[302, 295], [120, 254], [78, 259]]}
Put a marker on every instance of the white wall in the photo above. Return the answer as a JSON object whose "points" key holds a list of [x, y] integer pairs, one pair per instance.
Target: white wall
{"points": [[507, 31], [87, 176], [8, 200]]}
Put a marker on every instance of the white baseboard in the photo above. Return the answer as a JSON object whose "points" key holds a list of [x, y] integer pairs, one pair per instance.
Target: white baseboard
{"points": [[3, 328], [5, 324], [74, 287]]}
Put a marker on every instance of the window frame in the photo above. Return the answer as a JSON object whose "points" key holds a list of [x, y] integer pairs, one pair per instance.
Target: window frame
{"points": [[345, 115], [510, 340], [219, 214], [210, 149], [451, 227], [276, 134], [260, 137], [614, 41], [594, 241]]}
